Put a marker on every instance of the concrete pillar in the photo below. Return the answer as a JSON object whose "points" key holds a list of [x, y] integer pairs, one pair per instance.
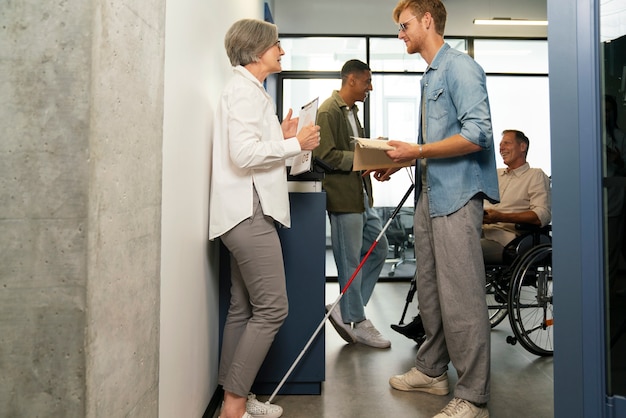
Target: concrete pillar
{"points": [[81, 84]]}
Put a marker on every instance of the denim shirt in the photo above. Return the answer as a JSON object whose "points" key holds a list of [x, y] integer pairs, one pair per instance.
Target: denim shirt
{"points": [[455, 94]]}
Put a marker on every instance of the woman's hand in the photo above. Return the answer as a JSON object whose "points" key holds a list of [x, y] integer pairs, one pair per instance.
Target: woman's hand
{"points": [[289, 126], [309, 137]]}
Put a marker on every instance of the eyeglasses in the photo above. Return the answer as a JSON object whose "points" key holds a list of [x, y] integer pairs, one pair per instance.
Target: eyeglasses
{"points": [[402, 27], [277, 43]]}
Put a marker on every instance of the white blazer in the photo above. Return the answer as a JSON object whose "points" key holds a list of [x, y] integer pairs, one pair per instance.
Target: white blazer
{"points": [[248, 148]]}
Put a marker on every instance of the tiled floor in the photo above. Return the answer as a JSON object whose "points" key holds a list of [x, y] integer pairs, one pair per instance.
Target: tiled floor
{"points": [[357, 376]]}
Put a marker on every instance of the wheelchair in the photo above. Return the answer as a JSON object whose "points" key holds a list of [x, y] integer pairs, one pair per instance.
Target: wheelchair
{"points": [[520, 287]]}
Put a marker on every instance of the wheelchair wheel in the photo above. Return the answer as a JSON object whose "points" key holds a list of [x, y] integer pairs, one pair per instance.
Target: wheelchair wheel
{"points": [[496, 291], [530, 301]]}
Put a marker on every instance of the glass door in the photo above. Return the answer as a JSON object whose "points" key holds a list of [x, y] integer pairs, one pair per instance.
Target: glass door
{"points": [[613, 74]]}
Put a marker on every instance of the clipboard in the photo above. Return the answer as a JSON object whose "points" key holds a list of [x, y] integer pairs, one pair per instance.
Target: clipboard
{"points": [[303, 162]]}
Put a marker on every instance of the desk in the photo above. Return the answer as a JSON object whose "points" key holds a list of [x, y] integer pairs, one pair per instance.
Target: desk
{"points": [[304, 255]]}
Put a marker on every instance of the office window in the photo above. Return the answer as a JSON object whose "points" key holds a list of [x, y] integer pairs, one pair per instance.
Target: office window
{"points": [[394, 106], [298, 92], [393, 113], [321, 53], [517, 82], [522, 103], [389, 54], [512, 56]]}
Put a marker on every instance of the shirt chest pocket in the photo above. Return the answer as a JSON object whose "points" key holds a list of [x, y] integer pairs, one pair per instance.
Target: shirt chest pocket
{"points": [[437, 103]]}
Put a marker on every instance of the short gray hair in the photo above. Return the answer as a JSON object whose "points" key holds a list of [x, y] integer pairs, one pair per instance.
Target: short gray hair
{"points": [[248, 39]]}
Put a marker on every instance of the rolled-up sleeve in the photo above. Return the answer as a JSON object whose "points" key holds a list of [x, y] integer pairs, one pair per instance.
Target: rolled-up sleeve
{"points": [[540, 199], [469, 91]]}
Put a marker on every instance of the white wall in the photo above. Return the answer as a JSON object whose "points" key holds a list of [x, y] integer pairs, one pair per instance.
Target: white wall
{"points": [[196, 67], [374, 17]]}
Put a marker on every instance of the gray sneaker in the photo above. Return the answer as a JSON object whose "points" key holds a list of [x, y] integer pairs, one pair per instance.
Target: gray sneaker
{"points": [[344, 330], [367, 334], [416, 381], [460, 408]]}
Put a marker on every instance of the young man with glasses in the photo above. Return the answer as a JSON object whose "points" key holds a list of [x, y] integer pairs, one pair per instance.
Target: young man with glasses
{"points": [[456, 170]]}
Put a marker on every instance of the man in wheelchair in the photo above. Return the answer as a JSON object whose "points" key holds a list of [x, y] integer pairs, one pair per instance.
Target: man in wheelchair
{"points": [[525, 205], [524, 198]]}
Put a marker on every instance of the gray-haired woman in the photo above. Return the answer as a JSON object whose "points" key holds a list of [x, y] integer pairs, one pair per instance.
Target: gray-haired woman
{"points": [[248, 196]]}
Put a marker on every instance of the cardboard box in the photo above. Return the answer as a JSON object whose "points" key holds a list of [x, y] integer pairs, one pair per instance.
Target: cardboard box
{"points": [[369, 154]]}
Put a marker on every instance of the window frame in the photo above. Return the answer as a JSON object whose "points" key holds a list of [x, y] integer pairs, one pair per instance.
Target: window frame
{"points": [[301, 74]]}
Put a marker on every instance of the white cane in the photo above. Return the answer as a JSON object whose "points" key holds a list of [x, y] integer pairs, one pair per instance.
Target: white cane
{"points": [[345, 288]]}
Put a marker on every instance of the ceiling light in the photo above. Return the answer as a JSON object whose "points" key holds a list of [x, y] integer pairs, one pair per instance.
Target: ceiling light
{"points": [[510, 22]]}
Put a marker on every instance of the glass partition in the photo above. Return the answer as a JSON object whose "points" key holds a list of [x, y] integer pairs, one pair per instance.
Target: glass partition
{"points": [[613, 38]]}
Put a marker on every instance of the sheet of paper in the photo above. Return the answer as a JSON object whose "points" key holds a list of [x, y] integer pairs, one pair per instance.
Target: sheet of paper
{"points": [[303, 162]]}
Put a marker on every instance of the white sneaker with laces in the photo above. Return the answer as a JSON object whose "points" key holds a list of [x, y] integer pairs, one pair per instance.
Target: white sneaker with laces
{"points": [[366, 333], [257, 409], [416, 381], [344, 330], [460, 408]]}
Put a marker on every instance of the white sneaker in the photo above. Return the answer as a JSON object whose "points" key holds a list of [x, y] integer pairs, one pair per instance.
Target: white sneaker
{"points": [[366, 333], [416, 381], [460, 408], [344, 330], [257, 409], [245, 415]]}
